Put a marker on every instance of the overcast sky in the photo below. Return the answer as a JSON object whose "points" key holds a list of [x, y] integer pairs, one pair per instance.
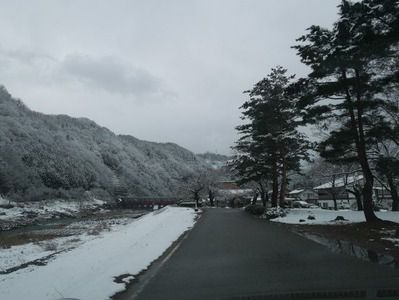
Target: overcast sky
{"points": [[167, 71]]}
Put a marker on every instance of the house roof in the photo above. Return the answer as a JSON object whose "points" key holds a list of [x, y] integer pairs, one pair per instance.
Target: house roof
{"points": [[297, 191], [228, 185], [235, 191], [339, 182]]}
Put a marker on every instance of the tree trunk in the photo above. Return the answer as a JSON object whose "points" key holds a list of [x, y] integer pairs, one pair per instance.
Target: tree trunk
{"points": [[196, 198], [274, 184], [359, 202], [334, 192], [211, 196], [263, 193], [254, 198], [262, 196], [394, 194], [283, 185], [334, 196], [358, 196], [358, 135], [367, 192]]}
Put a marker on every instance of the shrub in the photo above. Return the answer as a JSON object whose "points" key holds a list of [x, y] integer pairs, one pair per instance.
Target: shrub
{"points": [[255, 209], [38, 193], [340, 218], [98, 228], [50, 246], [275, 212]]}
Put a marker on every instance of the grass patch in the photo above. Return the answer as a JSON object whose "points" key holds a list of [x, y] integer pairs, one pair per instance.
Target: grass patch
{"points": [[7, 241]]}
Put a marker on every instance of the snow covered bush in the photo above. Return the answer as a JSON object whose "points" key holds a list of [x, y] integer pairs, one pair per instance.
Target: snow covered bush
{"points": [[275, 212]]}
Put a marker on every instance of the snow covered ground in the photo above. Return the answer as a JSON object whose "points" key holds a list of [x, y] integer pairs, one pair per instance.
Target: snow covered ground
{"points": [[45, 209], [89, 270], [17, 214], [19, 255], [37, 245], [323, 216]]}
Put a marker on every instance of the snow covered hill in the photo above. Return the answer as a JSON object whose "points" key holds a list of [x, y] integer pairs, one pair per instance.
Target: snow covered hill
{"points": [[56, 156], [213, 160]]}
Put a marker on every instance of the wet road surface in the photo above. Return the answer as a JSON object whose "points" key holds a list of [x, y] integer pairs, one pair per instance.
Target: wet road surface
{"points": [[230, 254]]}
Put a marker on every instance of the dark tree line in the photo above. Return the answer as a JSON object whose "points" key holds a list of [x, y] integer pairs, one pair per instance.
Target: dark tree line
{"points": [[351, 92]]}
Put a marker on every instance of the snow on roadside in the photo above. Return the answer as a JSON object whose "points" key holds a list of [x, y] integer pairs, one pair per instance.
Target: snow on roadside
{"points": [[15, 256], [88, 271], [21, 254], [323, 216]]}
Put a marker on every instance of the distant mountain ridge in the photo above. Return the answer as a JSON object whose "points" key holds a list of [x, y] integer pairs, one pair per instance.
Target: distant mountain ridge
{"points": [[57, 156], [214, 160]]}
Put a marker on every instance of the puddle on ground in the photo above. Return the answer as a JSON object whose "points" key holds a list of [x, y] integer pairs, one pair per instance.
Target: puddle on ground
{"points": [[346, 247]]}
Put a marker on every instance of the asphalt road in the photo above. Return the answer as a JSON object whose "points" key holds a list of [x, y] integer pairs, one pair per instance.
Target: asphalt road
{"points": [[231, 254]]}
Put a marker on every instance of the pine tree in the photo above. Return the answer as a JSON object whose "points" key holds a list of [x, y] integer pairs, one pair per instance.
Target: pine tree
{"points": [[251, 166], [343, 87], [270, 145]]}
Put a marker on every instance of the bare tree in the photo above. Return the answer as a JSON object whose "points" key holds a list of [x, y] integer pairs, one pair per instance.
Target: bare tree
{"points": [[342, 178], [386, 169], [260, 188], [193, 186]]}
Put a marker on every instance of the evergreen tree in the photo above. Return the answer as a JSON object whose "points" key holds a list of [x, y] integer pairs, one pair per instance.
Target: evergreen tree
{"points": [[270, 145], [252, 167], [343, 87]]}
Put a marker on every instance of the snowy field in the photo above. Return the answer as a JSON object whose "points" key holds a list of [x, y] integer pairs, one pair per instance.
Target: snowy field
{"points": [[323, 216], [89, 270]]}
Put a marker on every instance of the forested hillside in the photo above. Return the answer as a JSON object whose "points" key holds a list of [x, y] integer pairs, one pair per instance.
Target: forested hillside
{"points": [[213, 160], [56, 156]]}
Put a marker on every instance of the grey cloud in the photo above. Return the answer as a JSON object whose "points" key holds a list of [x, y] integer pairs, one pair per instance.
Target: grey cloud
{"points": [[25, 56], [104, 59], [110, 74]]}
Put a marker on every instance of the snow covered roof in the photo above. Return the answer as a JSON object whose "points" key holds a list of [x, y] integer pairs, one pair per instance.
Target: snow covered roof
{"points": [[297, 191], [339, 182], [380, 188]]}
